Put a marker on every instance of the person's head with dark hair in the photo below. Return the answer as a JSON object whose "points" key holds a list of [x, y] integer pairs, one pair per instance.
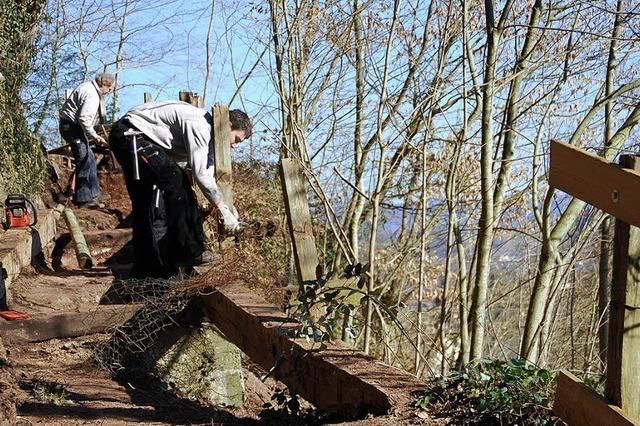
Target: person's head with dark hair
{"points": [[241, 127]]}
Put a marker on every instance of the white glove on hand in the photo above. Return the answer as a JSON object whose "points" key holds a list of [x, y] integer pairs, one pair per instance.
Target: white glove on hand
{"points": [[230, 222]]}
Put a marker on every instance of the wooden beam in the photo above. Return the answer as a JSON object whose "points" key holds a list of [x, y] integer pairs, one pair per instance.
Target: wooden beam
{"points": [[147, 97], [222, 152], [623, 351], [336, 378], [115, 237], [46, 327], [596, 181], [578, 405], [299, 220]]}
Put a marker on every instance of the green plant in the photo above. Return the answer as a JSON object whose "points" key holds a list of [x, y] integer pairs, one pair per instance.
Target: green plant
{"points": [[492, 393], [22, 165], [48, 391]]}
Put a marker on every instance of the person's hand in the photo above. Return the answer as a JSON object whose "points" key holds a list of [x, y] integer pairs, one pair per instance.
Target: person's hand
{"points": [[229, 220], [99, 140]]}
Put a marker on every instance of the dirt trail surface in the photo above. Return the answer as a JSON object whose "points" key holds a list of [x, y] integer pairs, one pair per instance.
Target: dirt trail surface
{"points": [[59, 382]]}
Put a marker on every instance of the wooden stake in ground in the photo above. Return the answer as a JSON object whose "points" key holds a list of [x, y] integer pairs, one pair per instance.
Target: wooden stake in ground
{"points": [[222, 161], [222, 152], [623, 351], [614, 190], [82, 249], [299, 220]]}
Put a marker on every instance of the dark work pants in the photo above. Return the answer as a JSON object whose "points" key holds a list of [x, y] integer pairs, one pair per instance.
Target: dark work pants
{"points": [[163, 235], [86, 177]]}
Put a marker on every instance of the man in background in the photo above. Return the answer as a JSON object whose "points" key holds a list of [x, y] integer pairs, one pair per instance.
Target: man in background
{"points": [[77, 117], [168, 133]]}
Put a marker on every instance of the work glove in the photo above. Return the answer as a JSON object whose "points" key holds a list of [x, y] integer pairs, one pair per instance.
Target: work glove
{"points": [[230, 222]]}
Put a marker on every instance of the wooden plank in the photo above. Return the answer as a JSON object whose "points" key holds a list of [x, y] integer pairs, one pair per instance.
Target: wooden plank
{"points": [[147, 97], [578, 405], [299, 220], [337, 378], [46, 327], [623, 351], [596, 181], [222, 152]]}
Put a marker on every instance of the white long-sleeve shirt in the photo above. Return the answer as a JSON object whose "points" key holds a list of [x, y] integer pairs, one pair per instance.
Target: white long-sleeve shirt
{"points": [[184, 132], [82, 106]]}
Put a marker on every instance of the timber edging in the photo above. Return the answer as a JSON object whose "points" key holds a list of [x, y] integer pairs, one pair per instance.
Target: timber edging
{"points": [[64, 325], [337, 378]]}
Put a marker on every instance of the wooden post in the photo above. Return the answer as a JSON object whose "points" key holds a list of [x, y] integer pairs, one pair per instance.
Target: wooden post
{"points": [[614, 190], [623, 351], [299, 220], [184, 96], [147, 97], [222, 152]]}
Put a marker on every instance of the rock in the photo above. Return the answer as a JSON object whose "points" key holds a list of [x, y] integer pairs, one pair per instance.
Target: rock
{"points": [[203, 365]]}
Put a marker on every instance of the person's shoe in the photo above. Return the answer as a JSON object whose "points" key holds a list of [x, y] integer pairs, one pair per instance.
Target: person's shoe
{"points": [[91, 204], [206, 258]]}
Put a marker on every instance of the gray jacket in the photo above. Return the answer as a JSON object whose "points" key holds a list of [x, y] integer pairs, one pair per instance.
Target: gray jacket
{"points": [[184, 131], [81, 107]]}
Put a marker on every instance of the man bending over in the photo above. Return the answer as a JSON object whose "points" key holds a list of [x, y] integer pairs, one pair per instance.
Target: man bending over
{"points": [[168, 133]]}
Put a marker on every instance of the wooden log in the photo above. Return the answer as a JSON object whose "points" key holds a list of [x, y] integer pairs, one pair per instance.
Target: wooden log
{"points": [[596, 181], [623, 351], [115, 237], [299, 221], [82, 249], [46, 327], [578, 405], [333, 376], [147, 97]]}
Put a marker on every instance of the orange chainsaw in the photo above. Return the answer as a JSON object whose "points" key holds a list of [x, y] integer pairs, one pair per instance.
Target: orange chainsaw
{"points": [[20, 212]]}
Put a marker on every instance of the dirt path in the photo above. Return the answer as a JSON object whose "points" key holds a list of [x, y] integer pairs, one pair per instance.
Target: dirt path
{"points": [[58, 380]]}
